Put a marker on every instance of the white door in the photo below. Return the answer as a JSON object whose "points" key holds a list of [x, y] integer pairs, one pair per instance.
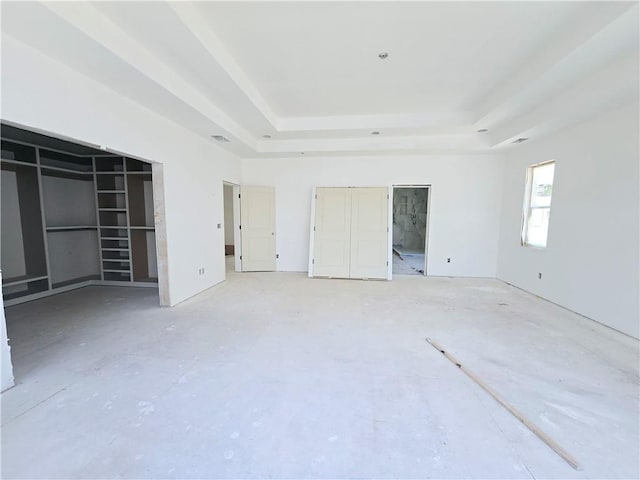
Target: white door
{"points": [[369, 232], [258, 228], [332, 233]]}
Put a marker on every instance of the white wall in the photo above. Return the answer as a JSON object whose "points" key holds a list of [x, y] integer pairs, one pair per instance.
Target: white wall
{"points": [[465, 203], [591, 262], [42, 93]]}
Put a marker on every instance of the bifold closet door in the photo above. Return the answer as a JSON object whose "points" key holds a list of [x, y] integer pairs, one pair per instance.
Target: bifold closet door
{"points": [[369, 232], [258, 228], [351, 233], [332, 236]]}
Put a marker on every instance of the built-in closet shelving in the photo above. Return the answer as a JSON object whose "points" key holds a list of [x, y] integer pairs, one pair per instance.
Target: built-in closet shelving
{"points": [[72, 220], [69, 217], [24, 262], [125, 219], [115, 255], [139, 188]]}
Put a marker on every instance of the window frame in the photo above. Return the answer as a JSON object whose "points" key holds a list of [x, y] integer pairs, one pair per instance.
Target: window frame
{"points": [[527, 208]]}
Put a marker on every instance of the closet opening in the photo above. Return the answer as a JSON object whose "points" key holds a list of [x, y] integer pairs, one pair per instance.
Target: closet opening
{"points": [[73, 216], [410, 229]]}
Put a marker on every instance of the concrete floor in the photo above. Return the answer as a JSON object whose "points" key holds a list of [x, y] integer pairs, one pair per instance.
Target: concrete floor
{"points": [[279, 375]]}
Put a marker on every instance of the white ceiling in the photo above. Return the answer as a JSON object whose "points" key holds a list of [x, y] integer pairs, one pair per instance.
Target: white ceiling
{"points": [[308, 73], [314, 59]]}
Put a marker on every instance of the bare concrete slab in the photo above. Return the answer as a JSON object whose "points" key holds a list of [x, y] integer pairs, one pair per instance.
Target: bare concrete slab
{"points": [[279, 375]]}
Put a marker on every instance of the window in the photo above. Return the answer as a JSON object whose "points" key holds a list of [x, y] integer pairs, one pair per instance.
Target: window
{"points": [[537, 204], [403, 205]]}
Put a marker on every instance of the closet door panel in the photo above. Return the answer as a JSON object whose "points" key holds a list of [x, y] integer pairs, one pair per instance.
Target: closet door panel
{"points": [[332, 233], [369, 233]]}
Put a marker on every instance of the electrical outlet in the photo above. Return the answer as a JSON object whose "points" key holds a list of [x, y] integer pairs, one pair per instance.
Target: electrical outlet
{"points": [[448, 260], [539, 275]]}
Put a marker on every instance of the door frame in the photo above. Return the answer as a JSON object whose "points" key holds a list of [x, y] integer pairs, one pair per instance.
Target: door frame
{"points": [[237, 244], [429, 188], [314, 195], [312, 242]]}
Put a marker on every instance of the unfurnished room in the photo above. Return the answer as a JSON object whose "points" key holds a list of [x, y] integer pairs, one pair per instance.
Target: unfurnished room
{"points": [[318, 239]]}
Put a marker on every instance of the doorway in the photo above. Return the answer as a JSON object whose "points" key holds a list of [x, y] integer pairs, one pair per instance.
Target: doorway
{"points": [[410, 229], [230, 250], [76, 216], [249, 228]]}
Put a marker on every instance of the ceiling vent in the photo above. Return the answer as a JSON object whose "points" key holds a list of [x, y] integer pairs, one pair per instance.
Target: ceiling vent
{"points": [[220, 138], [520, 140]]}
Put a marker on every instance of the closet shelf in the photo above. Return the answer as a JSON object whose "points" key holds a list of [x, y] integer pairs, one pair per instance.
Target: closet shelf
{"points": [[115, 250], [71, 227], [18, 162], [112, 209], [112, 191], [114, 238], [74, 281], [148, 280], [132, 227], [66, 170], [9, 282], [115, 270]]}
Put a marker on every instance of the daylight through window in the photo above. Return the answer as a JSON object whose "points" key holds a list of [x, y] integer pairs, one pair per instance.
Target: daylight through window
{"points": [[537, 204]]}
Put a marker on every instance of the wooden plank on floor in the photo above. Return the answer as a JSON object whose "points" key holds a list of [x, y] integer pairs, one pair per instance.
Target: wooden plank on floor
{"points": [[516, 413]]}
